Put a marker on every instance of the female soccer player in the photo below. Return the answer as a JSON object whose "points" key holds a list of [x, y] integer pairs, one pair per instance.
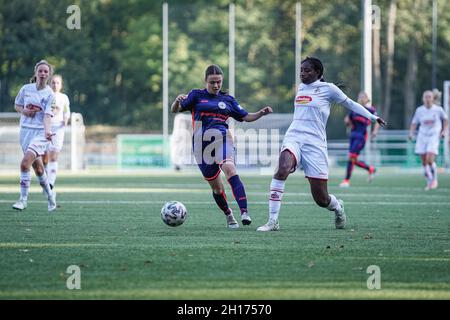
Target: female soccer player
{"points": [[61, 115], [358, 137], [34, 103], [305, 143], [212, 141], [433, 124]]}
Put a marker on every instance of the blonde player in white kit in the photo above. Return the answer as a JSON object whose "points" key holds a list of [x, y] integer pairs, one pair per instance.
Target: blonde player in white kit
{"points": [[61, 116], [433, 124], [305, 143], [34, 103]]}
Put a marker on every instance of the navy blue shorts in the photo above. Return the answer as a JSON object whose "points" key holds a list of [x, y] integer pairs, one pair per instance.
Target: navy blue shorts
{"points": [[356, 145], [213, 154]]}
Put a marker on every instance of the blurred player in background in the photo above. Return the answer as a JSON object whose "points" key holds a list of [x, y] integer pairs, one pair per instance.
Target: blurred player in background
{"points": [[305, 143], [213, 145], [433, 125], [34, 103], [61, 116], [358, 138]]}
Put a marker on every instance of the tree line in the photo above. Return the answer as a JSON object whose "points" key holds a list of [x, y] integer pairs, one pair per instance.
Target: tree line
{"points": [[112, 65]]}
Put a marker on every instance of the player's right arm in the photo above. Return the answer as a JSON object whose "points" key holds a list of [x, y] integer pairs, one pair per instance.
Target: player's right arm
{"points": [[19, 105], [176, 105], [347, 121], [412, 130], [414, 124]]}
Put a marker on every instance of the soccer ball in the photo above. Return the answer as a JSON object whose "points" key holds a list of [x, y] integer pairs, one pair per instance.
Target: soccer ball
{"points": [[173, 213]]}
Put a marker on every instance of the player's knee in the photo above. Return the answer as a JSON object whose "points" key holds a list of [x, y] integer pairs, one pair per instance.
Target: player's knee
{"points": [[25, 165], [39, 170], [283, 171], [218, 190]]}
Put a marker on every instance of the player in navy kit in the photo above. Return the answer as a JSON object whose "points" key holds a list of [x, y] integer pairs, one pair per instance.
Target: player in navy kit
{"points": [[212, 141], [358, 138]]}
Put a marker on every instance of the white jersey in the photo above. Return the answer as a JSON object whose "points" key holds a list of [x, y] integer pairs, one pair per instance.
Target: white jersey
{"points": [[29, 94], [429, 120], [312, 108], [61, 110]]}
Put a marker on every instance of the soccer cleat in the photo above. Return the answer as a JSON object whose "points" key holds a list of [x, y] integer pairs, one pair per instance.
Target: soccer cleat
{"points": [[345, 183], [434, 184], [20, 205], [271, 225], [231, 221], [52, 202], [340, 220], [245, 218], [372, 172]]}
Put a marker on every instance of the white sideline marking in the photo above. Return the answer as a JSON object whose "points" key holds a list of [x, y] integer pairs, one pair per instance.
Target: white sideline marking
{"points": [[102, 202]]}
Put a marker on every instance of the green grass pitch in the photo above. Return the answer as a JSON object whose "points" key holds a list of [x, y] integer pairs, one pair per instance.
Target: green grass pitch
{"points": [[109, 225]]}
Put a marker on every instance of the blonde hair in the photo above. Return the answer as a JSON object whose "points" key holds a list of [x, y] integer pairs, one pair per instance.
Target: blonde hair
{"points": [[56, 75], [33, 78]]}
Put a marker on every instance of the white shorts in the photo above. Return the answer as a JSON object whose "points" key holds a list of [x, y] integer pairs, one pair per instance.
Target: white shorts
{"points": [[33, 140], [313, 159], [427, 144], [57, 140]]}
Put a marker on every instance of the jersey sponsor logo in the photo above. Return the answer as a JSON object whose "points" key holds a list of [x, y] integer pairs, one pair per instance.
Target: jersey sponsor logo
{"points": [[217, 116], [303, 99], [222, 105]]}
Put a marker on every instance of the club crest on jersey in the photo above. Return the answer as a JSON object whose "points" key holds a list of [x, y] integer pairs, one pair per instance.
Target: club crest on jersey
{"points": [[222, 105], [303, 99]]}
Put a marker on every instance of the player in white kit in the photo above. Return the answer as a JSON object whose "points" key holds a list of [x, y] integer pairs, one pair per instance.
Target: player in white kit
{"points": [[61, 116], [433, 124], [34, 103], [305, 142]]}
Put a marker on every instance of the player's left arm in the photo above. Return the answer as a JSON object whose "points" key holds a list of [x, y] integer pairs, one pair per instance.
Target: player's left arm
{"points": [[375, 129], [444, 131], [336, 95], [66, 112], [48, 118], [250, 117]]}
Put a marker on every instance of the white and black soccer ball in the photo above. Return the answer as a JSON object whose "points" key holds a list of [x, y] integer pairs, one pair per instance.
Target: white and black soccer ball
{"points": [[173, 213]]}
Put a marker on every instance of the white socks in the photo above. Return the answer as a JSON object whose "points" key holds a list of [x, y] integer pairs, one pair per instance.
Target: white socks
{"points": [[276, 194], [52, 168], [25, 178], [428, 173], [43, 181], [334, 204], [434, 171]]}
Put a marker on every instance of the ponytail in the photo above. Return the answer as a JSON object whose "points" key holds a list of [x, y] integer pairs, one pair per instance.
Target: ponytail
{"points": [[33, 79]]}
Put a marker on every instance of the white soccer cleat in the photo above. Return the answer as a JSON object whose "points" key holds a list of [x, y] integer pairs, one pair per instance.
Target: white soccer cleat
{"points": [[20, 205], [231, 221], [340, 219], [245, 218], [52, 202], [344, 184], [271, 225], [434, 184]]}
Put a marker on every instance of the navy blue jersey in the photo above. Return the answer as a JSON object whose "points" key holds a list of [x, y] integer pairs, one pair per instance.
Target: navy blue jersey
{"points": [[212, 110], [359, 123]]}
